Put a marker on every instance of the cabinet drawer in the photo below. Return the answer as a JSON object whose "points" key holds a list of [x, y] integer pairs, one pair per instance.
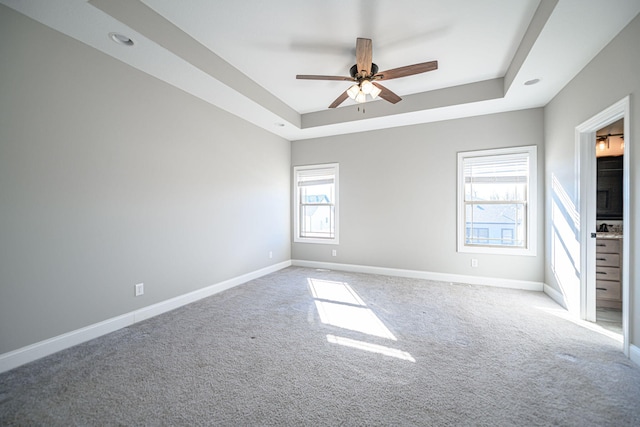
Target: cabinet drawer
{"points": [[607, 273], [608, 290], [608, 260], [608, 246]]}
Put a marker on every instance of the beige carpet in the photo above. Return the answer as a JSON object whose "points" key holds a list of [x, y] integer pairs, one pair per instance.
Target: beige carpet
{"points": [[308, 347]]}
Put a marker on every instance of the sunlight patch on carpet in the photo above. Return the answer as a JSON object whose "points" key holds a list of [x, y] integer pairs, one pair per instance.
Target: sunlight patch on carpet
{"points": [[334, 291], [359, 319], [373, 348], [339, 305]]}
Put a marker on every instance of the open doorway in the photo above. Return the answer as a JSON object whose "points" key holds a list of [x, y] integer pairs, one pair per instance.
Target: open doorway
{"points": [[587, 167], [609, 225]]}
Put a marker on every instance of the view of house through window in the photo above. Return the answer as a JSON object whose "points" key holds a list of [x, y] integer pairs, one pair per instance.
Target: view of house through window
{"points": [[495, 199], [316, 203]]}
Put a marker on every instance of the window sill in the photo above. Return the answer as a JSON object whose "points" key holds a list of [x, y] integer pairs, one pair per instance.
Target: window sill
{"points": [[316, 241], [497, 251]]}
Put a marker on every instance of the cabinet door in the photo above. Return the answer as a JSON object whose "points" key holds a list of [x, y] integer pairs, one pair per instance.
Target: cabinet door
{"points": [[609, 192], [607, 273], [607, 260], [608, 290], [608, 246]]}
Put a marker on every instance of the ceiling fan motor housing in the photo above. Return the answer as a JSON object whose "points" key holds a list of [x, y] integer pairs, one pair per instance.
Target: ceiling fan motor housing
{"points": [[354, 70]]}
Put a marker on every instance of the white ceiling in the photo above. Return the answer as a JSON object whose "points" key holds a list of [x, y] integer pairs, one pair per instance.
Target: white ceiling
{"points": [[243, 56]]}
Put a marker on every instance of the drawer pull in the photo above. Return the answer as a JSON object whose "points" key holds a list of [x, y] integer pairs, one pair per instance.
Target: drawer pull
{"points": [[601, 245], [601, 259], [600, 272], [601, 289]]}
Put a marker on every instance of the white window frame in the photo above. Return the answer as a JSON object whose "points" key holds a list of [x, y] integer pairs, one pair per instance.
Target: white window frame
{"points": [[299, 171], [531, 203]]}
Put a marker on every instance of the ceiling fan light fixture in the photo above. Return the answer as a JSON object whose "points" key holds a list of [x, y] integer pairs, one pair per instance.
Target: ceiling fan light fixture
{"points": [[353, 91], [361, 97], [366, 86], [375, 91]]}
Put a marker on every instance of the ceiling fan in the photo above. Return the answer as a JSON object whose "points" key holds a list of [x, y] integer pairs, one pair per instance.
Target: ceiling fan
{"points": [[365, 74]]}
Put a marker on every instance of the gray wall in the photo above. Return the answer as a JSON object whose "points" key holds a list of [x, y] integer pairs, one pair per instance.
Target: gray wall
{"points": [[109, 177], [613, 74], [398, 194]]}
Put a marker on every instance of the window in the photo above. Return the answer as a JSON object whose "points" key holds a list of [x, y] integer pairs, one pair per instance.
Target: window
{"points": [[496, 201], [316, 203]]}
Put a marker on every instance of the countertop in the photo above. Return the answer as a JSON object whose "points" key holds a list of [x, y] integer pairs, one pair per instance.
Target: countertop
{"points": [[608, 235]]}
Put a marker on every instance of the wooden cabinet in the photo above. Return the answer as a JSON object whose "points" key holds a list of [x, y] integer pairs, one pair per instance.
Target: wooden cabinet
{"points": [[609, 192], [609, 273]]}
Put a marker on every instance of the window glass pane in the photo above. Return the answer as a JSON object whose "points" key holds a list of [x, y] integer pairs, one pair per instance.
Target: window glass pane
{"points": [[500, 177], [507, 236], [490, 224], [496, 191], [317, 221], [311, 194]]}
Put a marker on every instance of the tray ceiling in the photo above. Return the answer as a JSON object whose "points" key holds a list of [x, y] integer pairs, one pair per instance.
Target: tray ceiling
{"points": [[243, 56]]}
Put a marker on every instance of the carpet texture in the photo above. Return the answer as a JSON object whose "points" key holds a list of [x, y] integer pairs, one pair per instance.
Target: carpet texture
{"points": [[311, 347]]}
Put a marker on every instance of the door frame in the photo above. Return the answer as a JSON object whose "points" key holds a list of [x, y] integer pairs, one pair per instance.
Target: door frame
{"points": [[586, 171]]}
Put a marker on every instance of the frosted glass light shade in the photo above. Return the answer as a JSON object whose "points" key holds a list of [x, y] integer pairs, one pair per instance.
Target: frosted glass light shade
{"points": [[375, 92], [353, 91], [366, 86]]}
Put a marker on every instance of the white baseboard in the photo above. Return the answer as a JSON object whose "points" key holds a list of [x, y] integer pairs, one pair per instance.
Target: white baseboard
{"points": [[634, 354], [32, 352], [179, 301], [555, 295], [49, 346], [417, 274]]}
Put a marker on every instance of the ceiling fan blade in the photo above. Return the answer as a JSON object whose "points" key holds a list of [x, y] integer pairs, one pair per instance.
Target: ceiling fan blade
{"points": [[339, 100], [312, 77], [408, 70], [364, 55], [387, 95]]}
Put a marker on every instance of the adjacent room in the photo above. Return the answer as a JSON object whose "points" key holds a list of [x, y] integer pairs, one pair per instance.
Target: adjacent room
{"points": [[319, 213]]}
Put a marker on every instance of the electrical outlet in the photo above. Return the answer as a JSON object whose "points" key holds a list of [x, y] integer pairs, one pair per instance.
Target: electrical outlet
{"points": [[270, 254], [334, 252], [474, 262], [139, 289]]}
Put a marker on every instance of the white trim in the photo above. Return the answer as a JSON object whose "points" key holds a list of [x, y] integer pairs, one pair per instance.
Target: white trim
{"points": [[555, 295], [585, 134], [531, 202], [418, 274], [296, 206], [634, 354], [626, 227], [586, 180], [32, 352]]}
